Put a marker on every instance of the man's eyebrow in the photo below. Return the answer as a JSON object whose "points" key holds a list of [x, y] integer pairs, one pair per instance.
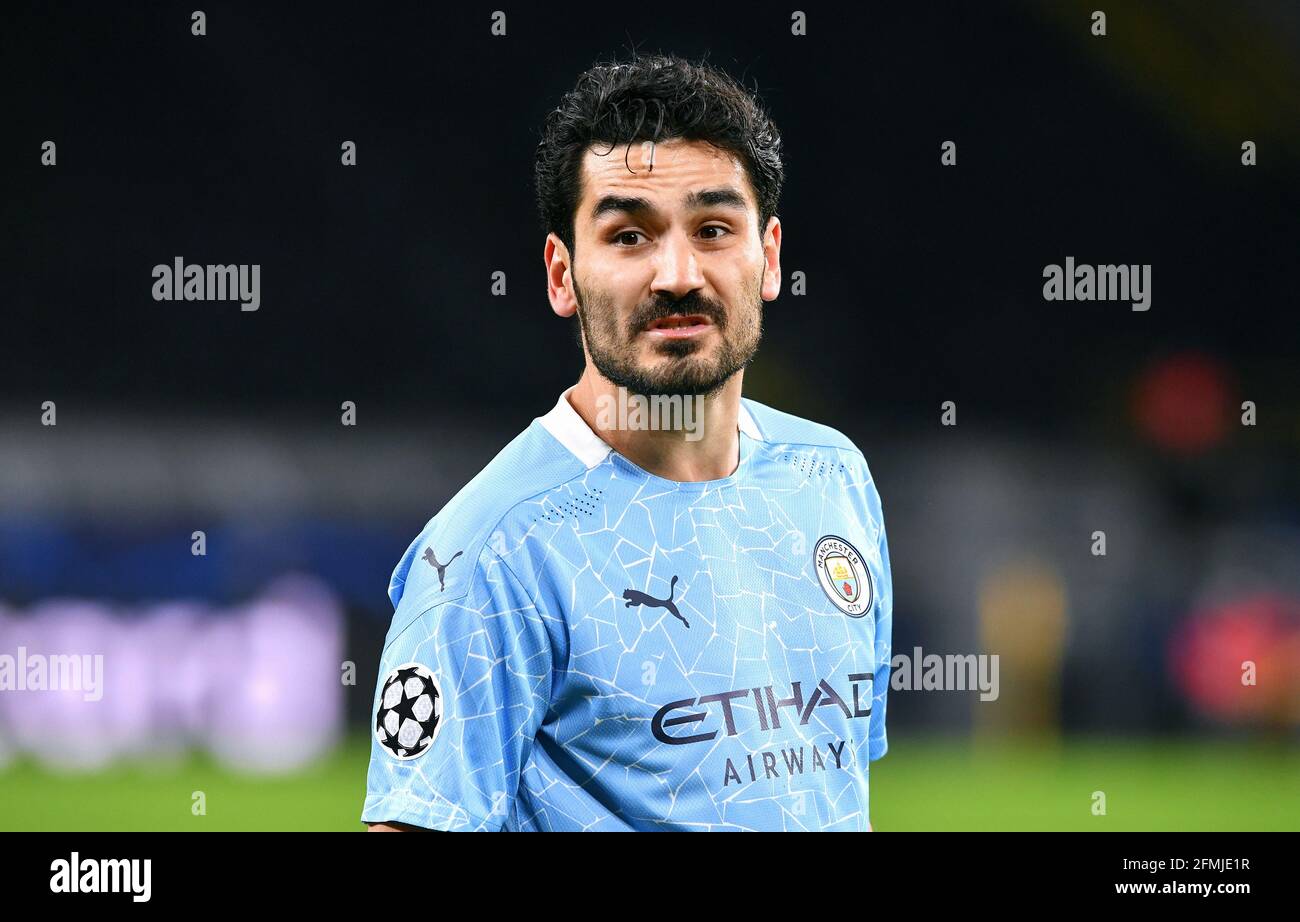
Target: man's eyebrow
{"points": [[609, 204], [725, 197]]}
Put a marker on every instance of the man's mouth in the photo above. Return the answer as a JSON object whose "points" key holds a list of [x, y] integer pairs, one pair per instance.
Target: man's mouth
{"points": [[679, 326]]}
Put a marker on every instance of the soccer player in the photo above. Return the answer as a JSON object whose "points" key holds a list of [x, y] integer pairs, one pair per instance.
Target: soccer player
{"points": [[618, 625]]}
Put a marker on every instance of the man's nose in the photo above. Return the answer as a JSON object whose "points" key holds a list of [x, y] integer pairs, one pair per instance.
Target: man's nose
{"points": [[677, 269]]}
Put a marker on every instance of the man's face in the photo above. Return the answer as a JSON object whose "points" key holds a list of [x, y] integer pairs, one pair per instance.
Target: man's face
{"points": [[670, 285]]}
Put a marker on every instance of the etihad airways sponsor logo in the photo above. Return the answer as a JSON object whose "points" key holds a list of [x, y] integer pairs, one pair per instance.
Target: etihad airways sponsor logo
{"points": [[767, 764], [723, 711]]}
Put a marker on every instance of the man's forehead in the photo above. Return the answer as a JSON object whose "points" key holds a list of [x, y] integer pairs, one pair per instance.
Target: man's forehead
{"points": [[682, 169]]}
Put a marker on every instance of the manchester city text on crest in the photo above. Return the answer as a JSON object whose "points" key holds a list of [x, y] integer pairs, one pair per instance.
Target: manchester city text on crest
{"points": [[843, 575]]}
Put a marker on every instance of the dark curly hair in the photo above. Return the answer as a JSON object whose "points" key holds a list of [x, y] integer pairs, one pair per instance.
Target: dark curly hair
{"points": [[652, 98]]}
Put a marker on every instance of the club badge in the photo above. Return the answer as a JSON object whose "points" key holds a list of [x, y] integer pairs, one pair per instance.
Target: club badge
{"points": [[844, 576]]}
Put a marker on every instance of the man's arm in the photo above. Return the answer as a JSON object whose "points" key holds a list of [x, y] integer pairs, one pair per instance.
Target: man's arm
{"points": [[396, 827]]}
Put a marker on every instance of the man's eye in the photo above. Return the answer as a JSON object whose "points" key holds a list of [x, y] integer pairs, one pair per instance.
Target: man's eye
{"points": [[622, 238]]}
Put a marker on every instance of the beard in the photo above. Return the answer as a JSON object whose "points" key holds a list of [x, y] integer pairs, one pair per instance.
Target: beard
{"points": [[681, 367]]}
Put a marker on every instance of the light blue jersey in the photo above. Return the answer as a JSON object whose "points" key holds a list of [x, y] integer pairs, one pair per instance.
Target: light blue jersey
{"points": [[581, 645]]}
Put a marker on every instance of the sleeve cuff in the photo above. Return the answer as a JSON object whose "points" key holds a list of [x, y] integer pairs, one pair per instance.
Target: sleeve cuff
{"points": [[444, 817]]}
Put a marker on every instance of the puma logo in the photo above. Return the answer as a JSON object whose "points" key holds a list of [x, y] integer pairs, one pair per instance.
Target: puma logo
{"points": [[637, 597], [440, 567]]}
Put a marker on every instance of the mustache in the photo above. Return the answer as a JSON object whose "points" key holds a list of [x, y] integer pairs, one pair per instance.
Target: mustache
{"points": [[646, 314]]}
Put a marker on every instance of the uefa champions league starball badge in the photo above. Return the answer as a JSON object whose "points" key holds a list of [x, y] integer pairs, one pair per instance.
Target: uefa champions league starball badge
{"points": [[410, 711], [844, 576]]}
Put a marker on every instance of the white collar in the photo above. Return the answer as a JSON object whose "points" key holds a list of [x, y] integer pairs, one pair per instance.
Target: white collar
{"points": [[571, 431]]}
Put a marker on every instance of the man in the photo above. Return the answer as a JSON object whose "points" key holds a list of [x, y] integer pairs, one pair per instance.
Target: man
{"points": [[622, 626]]}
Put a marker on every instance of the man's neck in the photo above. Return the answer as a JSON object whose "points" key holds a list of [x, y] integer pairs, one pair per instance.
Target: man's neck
{"points": [[710, 451]]}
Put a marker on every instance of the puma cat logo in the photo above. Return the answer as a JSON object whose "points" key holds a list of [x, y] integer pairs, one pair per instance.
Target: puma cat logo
{"points": [[440, 567], [637, 597]]}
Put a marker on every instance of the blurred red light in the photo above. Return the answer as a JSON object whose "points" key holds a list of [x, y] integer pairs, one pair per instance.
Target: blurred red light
{"points": [[1181, 403]]}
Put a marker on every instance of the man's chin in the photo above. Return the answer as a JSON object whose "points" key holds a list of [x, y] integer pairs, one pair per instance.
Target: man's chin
{"points": [[692, 383], [699, 372]]}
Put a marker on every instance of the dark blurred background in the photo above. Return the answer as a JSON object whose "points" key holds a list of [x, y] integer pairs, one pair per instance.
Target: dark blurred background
{"points": [[924, 285]]}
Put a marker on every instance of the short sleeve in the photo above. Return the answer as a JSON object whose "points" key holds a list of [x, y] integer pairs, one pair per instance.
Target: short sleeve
{"points": [[484, 663], [878, 740]]}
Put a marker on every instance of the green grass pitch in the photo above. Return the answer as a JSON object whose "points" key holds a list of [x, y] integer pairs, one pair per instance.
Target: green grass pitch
{"points": [[922, 784]]}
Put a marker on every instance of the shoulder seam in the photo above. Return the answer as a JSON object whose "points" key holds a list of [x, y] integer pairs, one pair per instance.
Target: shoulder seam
{"points": [[485, 546], [854, 449], [768, 439]]}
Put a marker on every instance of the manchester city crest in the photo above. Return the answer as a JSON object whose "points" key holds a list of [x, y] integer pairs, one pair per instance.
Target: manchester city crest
{"points": [[844, 576]]}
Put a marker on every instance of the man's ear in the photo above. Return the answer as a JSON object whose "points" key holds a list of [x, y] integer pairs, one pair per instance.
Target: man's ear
{"points": [[771, 286], [559, 282]]}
